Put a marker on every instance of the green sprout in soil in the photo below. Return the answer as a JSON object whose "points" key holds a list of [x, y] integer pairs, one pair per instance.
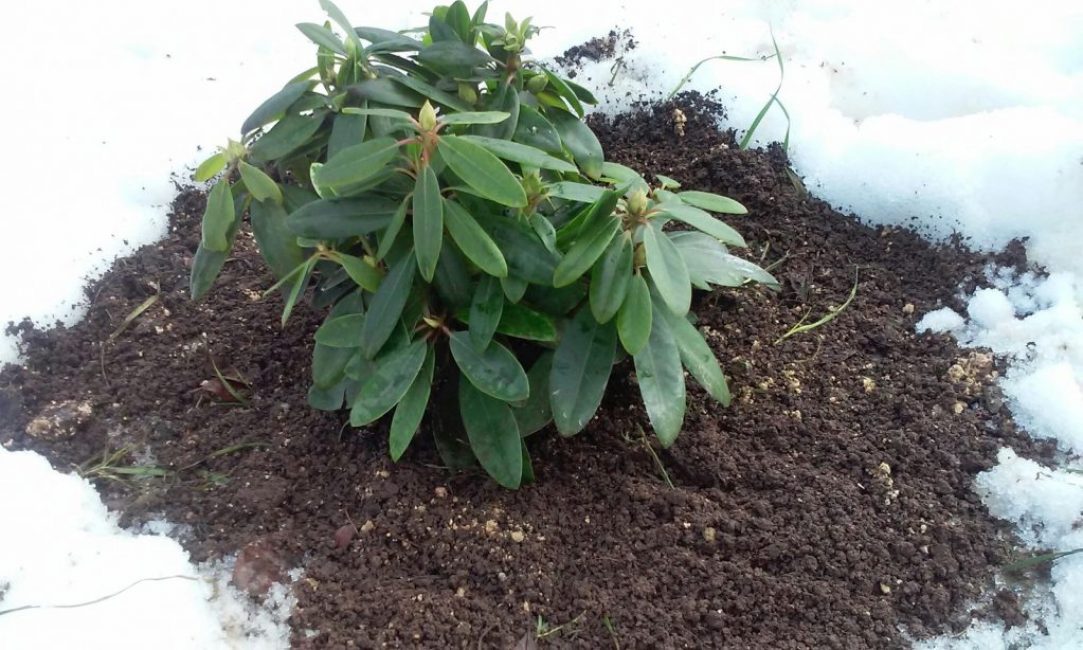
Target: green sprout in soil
{"points": [[480, 262], [832, 313], [1038, 560]]}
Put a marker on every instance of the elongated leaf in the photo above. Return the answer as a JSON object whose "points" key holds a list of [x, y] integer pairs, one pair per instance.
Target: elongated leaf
{"points": [[572, 191], [580, 141], [218, 217], [634, 318], [364, 275], [259, 184], [393, 373], [348, 130], [209, 168], [558, 84], [441, 97], [475, 243], [493, 434], [327, 399], [668, 270], [533, 414], [357, 163], [514, 288], [525, 323], [582, 364], [661, 380], [626, 175], [390, 113], [323, 37], [387, 305], [274, 108], [703, 221], [586, 250], [290, 134], [452, 280], [386, 91], [428, 222], [712, 202], [485, 311], [522, 154], [698, 357], [494, 371], [329, 364], [341, 218], [582, 93], [536, 131], [586, 219], [475, 117], [610, 278], [387, 239], [388, 41], [276, 243], [709, 263], [533, 262], [482, 171], [206, 265], [298, 284], [339, 18], [411, 408], [341, 331], [453, 57]]}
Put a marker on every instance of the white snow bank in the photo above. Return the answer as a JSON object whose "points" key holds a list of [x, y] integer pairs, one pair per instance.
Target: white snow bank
{"points": [[61, 546]]}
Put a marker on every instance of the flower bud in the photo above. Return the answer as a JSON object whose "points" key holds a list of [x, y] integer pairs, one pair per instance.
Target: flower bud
{"points": [[427, 117], [637, 202], [537, 83], [468, 93]]}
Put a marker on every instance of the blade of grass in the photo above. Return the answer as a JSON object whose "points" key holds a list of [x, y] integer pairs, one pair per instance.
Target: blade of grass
{"points": [[134, 314], [721, 57], [831, 314]]}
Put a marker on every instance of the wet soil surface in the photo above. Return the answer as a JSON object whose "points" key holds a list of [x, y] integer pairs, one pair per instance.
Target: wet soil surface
{"points": [[829, 507]]}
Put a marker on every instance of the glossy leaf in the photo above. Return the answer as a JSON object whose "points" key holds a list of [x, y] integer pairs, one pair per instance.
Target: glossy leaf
{"points": [[702, 221], [209, 168], [475, 117], [493, 434], [661, 380], [390, 113], [323, 37], [536, 131], [667, 270], [522, 154], [357, 163], [698, 358], [391, 233], [428, 220], [259, 184], [514, 288], [495, 371], [580, 141], [535, 413], [387, 305], [341, 218], [572, 191], [364, 275], [206, 265], [624, 174], [561, 87], [327, 399], [274, 108], [709, 263], [475, 243], [341, 331], [348, 130], [634, 318], [338, 17], [298, 282], [411, 408], [277, 244], [393, 374], [485, 311], [586, 250], [385, 91], [532, 262], [525, 323], [610, 279], [453, 57], [387, 40], [712, 202], [329, 364], [288, 135], [582, 364], [429, 91], [482, 171], [452, 281], [218, 217]]}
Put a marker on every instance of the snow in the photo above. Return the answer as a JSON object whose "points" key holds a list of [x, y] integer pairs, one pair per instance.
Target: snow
{"points": [[962, 117]]}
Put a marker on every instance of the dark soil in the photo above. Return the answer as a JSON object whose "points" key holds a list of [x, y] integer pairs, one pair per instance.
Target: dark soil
{"points": [[599, 48], [829, 507]]}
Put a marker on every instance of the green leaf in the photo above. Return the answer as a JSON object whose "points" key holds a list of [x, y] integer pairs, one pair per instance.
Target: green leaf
{"points": [[627, 175], [357, 163], [580, 141], [581, 367], [522, 154], [341, 331], [668, 270], [392, 230], [634, 318], [338, 17], [453, 57], [323, 37], [561, 87], [389, 113], [364, 275], [586, 250], [206, 265], [661, 380], [667, 182], [428, 222], [536, 131], [698, 357], [514, 288], [385, 91], [533, 262], [572, 191], [259, 184], [482, 171], [452, 280], [495, 371], [341, 218], [210, 168], [533, 414], [610, 279], [411, 408], [475, 117], [346, 131], [485, 311], [702, 221], [329, 364], [528, 466], [444, 98], [709, 262], [274, 108], [525, 323], [392, 376], [387, 305], [276, 243], [326, 399], [475, 243], [712, 202], [582, 93], [291, 132], [581, 224], [387, 40], [299, 284], [218, 217], [493, 434]]}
